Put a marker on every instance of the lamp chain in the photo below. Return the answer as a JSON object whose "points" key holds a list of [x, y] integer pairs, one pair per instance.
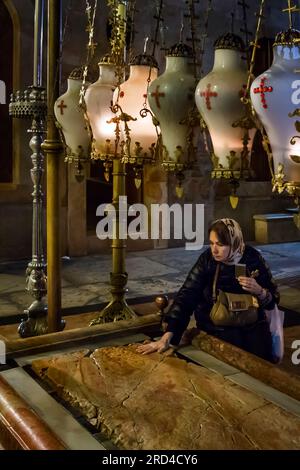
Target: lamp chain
{"points": [[194, 118], [233, 18], [159, 19], [204, 36], [117, 38], [91, 14], [254, 44], [244, 6], [246, 95], [64, 30], [131, 11], [62, 40], [193, 39]]}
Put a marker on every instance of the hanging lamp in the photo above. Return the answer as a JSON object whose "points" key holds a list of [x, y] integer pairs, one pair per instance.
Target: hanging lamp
{"points": [[72, 124], [171, 99], [98, 100], [275, 95], [218, 98], [142, 146]]}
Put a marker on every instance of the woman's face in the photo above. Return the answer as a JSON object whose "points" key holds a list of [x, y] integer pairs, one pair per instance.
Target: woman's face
{"points": [[219, 251]]}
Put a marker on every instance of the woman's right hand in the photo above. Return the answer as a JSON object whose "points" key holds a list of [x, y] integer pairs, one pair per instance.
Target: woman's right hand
{"points": [[160, 345]]}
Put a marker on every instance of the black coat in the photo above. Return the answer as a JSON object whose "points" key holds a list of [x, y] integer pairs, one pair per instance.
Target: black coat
{"points": [[196, 293]]}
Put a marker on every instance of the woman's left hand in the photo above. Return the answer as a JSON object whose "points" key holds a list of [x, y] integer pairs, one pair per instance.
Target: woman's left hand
{"points": [[250, 285]]}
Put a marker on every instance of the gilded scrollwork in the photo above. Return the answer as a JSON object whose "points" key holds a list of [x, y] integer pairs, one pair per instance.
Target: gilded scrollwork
{"points": [[278, 179]]}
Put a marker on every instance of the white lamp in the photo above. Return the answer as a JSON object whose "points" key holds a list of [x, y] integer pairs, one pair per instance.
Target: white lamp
{"points": [[132, 98], [70, 117], [98, 99], [171, 99], [275, 95], [218, 98]]}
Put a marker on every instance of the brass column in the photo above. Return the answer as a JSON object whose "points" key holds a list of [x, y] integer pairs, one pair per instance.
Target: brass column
{"points": [[31, 104], [118, 245], [53, 149], [118, 309]]}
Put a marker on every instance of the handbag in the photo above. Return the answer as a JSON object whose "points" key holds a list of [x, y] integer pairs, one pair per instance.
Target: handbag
{"points": [[233, 309], [275, 318]]}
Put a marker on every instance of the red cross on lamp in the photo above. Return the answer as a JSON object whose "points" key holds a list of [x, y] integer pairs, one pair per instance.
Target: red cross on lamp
{"points": [[207, 94], [157, 96], [262, 89], [61, 106]]}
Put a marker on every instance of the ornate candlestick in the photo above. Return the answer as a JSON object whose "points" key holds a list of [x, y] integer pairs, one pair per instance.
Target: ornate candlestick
{"points": [[32, 104]]}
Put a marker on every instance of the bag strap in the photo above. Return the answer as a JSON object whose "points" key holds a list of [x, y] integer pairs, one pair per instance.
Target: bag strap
{"points": [[214, 293]]}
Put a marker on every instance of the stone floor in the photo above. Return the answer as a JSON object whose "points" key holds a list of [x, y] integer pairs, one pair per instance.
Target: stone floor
{"points": [[86, 287], [85, 280], [69, 425]]}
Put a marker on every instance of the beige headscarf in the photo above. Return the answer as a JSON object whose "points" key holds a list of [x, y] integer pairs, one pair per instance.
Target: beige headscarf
{"points": [[237, 245]]}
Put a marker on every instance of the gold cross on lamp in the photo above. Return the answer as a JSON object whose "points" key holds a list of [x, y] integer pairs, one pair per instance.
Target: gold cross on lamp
{"points": [[290, 10]]}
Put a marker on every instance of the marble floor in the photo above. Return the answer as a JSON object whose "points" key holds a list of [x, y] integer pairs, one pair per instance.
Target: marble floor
{"points": [[85, 280]]}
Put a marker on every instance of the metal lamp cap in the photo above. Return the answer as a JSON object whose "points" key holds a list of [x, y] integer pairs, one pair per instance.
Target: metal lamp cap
{"points": [[229, 41], [180, 50], [287, 37]]}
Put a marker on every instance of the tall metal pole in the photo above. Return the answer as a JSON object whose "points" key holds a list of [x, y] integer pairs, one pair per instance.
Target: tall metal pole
{"points": [[36, 276], [53, 149], [118, 309], [38, 42], [32, 104]]}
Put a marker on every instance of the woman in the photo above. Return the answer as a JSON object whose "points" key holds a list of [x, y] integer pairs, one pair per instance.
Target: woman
{"points": [[227, 249]]}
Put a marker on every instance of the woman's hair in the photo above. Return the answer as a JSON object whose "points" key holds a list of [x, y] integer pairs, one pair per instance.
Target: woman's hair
{"points": [[221, 231]]}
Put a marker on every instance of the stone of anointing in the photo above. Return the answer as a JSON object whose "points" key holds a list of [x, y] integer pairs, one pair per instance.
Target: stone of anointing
{"points": [[159, 401]]}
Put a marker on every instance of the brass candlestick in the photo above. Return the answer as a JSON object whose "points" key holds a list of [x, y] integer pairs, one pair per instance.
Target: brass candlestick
{"points": [[32, 104]]}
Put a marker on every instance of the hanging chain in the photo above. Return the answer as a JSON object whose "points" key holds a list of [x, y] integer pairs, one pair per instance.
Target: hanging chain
{"points": [[158, 18], [62, 40], [91, 46], [145, 111], [194, 118], [244, 29], [117, 21], [194, 40], [64, 30], [204, 36], [131, 11], [233, 18], [246, 98], [254, 44], [117, 43], [148, 78]]}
